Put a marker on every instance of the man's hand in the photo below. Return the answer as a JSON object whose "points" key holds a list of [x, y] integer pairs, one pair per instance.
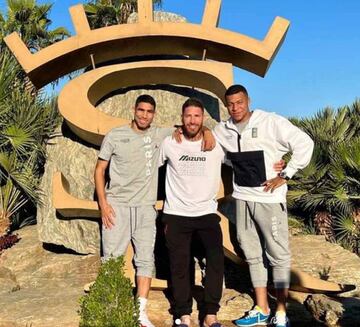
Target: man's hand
{"points": [[107, 216], [279, 165], [274, 183], [208, 142], [177, 134]]}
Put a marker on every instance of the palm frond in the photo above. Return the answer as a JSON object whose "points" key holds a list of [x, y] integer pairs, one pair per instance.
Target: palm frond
{"points": [[8, 72], [101, 13], [22, 175], [11, 200]]}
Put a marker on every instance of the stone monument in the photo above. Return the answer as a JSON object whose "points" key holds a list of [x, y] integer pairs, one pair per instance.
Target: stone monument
{"points": [[177, 60]]}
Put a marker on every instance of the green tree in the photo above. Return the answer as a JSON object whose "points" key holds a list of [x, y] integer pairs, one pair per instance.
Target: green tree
{"points": [[329, 188], [27, 118], [32, 23], [103, 13], [354, 114], [26, 123]]}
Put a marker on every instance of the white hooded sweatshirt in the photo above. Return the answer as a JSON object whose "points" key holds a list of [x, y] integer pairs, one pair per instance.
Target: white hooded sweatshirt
{"points": [[263, 142]]}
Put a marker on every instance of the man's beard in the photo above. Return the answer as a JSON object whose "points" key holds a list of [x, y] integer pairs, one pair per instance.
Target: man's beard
{"points": [[192, 134]]}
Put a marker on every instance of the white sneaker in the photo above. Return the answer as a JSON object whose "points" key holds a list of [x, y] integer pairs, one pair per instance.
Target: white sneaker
{"points": [[280, 320], [144, 320]]}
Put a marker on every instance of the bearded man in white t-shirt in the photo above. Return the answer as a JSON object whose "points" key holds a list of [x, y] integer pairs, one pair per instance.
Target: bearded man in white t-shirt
{"points": [[192, 183]]}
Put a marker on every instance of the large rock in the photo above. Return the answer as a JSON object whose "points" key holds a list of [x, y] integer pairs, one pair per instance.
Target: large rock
{"points": [[328, 261], [159, 16], [41, 288], [324, 309], [48, 285], [76, 160], [325, 260]]}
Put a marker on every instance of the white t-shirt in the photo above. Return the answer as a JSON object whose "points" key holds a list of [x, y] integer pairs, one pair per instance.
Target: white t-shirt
{"points": [[192, 177]]}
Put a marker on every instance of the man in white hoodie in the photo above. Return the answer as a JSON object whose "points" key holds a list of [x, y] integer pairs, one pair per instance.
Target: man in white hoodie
{"points": [[253, 141]]}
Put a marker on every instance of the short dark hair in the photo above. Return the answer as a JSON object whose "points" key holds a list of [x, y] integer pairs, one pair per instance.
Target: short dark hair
{"points": [[193, 102], [145, 98], [237, 88]]}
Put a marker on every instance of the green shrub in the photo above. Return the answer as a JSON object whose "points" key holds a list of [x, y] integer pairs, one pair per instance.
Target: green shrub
{"points": [[110, 302]]}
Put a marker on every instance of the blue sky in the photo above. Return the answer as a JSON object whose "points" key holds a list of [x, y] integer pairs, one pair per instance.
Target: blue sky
{"points": [[317, 66]]}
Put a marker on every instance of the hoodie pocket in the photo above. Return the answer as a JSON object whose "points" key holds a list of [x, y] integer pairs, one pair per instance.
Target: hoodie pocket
{"points": [[249, 168]]}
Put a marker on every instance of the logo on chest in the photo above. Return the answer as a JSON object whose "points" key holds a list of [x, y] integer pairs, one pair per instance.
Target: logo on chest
{"points": [[125, 140], [254, 132], [186, 157], [191, 165]]}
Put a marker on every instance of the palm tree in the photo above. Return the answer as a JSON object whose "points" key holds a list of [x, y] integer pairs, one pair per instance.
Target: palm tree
{"points": [[348, 232], [102, 13], [26, 123], [329, 188], [31, 21], [18, 185], [2, 27], [8, 72], [27, 119], [354, 114]]}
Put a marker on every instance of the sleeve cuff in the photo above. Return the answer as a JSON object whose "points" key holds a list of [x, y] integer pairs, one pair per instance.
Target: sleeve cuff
{"points": [[290, 172]]}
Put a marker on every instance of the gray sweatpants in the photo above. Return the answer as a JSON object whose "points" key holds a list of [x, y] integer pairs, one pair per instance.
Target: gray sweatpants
{"points": [[262, 232], [135, 224]]}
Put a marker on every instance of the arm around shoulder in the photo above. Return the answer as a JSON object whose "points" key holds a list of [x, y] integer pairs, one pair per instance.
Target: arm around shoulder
{"points": [[219, 131], [163, 150], [209, 141]]}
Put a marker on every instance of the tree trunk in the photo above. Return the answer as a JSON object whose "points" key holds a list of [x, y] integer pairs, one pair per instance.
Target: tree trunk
{"points": [[324, 225], [4, 224]]}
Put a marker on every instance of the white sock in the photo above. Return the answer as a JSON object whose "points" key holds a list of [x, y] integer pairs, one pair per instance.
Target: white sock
{"points": [[143, 317], [142, 304]]}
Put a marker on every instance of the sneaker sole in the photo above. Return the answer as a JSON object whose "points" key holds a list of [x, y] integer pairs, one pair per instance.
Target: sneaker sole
{"points": [[263, 323]]}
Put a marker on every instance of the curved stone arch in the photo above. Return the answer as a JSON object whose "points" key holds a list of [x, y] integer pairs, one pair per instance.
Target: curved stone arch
{"points": [[148, 38], [78, 98]]}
